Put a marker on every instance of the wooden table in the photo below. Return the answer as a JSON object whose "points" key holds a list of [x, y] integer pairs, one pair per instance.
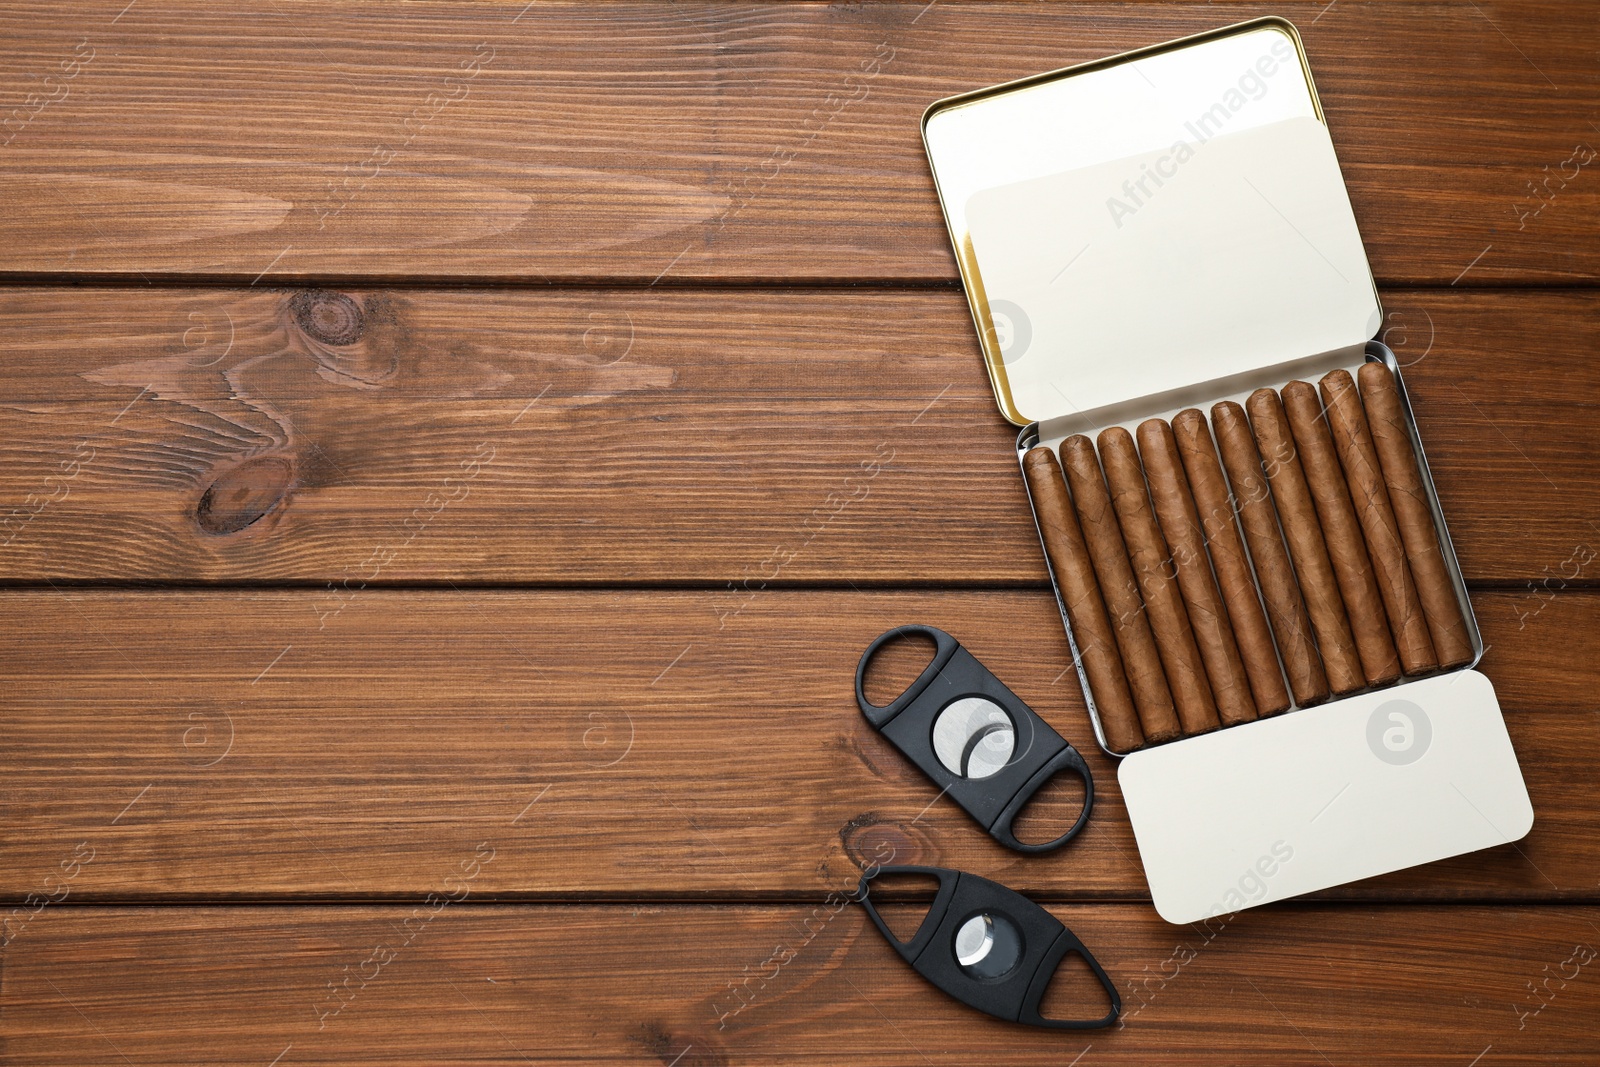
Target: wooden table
{"points": [[453, 456]]}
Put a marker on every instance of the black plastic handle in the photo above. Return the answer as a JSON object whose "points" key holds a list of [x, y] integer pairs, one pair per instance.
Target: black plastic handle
{"points": [[944, 646], [1068, 759], [909, 950], [1066, 944]]}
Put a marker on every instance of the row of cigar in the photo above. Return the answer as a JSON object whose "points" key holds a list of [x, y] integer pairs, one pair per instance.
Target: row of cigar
{"points": [[1180, 630]]}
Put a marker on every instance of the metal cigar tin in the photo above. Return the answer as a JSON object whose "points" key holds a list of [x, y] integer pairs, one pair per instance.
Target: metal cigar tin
{"points": [[1165, 229]]}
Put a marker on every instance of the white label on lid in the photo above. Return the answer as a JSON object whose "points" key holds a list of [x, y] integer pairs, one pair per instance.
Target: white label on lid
{"points": [[1212, 258], [1086, 117], [1323, 796]]}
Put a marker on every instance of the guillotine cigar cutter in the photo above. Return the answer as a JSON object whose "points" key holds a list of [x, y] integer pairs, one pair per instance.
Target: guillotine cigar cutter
{"points": [[990, 947], [974, 737]]}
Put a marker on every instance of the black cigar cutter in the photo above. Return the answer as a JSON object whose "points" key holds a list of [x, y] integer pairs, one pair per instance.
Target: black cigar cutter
{"points": [[974, 737], [990, 947]]}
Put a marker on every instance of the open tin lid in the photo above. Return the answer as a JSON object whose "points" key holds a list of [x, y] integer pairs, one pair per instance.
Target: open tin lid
{"points": [[1148, 224]]}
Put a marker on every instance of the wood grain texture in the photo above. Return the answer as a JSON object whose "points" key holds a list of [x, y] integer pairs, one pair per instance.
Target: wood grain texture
{"points": [[1284, 986], [636, 746], [709, 142], [609, 436]]}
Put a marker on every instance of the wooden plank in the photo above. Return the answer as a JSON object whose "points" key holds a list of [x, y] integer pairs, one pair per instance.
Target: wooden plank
{"points": [[616, 436], [708, 142], [703, 985], [638, 746]]}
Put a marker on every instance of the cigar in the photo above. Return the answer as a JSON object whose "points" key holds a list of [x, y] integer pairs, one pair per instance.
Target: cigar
{"points": [[1298, 517], [1069, 562], [1364, 477], [1180, 525], [1346, 547], [1286, 608], [1380, 397], [1147, 551], [1103, 534], [1210, 490]]}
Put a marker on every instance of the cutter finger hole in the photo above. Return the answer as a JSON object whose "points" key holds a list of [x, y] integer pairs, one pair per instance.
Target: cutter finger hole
{"points": [[895, 665], [1052, 810]]}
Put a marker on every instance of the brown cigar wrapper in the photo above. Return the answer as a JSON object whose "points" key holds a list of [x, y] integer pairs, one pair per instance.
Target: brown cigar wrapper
{"points": [[1380, 398], [1286, 608], [1408, 624], [1147, 551], [1341, 531], [1119, 589], [1069, 561], [1222, 540], [1208, 618], [1301, 531]]}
